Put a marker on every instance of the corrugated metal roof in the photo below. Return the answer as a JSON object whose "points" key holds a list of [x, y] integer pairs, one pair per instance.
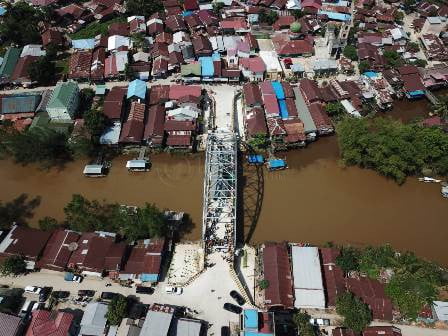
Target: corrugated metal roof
{"points": [[308, 284], [83, 43], [9, 324], [10, 60], [304, 113], [94, 319], [157, 323], [19, 104], [137, 88], [62, 95]]}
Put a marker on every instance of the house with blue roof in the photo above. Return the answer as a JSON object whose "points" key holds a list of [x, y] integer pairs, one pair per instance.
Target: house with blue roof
{"points": [[137, 90], [255, 323]]}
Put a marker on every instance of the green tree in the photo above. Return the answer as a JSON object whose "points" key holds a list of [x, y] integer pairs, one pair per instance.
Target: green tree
{"points": [[268, 16], [393, 59], [42, 71], [86, 96], [410, 292], [391, 148], [20, 24], [139, 41], [95, 121], [420, 63], [297, 13], [350, 52], [363, 66], [398, 16], [441, 108], [259, 141], [82, 146], [302, 322], [373, 259], [263, 284], [413, 47], [348, 260], [117, 310], [355, 313], [143, 7], [296, 27], [48, 223], [335, 110], [146, 222], [36, 145], [14, 265], [217, 6]]}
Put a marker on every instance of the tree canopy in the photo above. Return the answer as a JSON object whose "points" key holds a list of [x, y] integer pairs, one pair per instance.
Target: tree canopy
{"points": [[355, 313], [95, 121], [393, 149], [42, 71], [143, 7], [20, 24], [335, 110], [37, 145], [302, 322], [259, 141], [14, 265], [350, 52], [268, 16], [117, 310], [393, 59], [48, 223], [133, 223], [363, 66]]}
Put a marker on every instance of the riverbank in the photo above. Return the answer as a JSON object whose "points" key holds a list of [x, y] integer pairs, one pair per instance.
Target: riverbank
{"points": [[316, 200]]}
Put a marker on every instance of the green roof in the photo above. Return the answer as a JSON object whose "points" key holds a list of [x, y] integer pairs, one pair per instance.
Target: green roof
{"points": [[62, 95], [192, 69], [9, 62]]}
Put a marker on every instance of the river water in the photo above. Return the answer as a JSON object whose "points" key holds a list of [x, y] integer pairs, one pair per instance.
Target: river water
{"points": [[316, 200]]}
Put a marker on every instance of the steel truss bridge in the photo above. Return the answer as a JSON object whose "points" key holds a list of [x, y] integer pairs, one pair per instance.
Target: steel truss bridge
{"points": [[220, 192]]}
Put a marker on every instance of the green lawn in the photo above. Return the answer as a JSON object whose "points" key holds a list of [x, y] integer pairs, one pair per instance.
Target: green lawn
{"points": [[95, 28]]}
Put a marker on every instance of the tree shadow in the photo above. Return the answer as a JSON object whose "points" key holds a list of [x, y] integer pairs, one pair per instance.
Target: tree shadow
{"points": [[250, 197], [18, 211]]}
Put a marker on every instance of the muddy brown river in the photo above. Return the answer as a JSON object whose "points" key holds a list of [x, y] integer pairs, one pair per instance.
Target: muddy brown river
{"points": [[316, 200]]}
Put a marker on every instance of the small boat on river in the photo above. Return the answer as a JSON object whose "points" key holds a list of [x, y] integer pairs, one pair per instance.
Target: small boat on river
{"points": [[138, 165], [445, 190], [276, 164], [429, 180]]}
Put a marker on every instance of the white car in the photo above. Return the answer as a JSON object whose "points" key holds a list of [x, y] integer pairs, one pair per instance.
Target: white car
{"points": [[33, 289], [77, 278], [173, 290], [320, 321]]}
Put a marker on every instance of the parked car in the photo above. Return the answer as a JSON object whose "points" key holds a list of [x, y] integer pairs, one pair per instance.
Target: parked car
{"points": [[232, 308], [320, 321], [108, 295], [44, 293], [144, 290], [173, 290], [77, 278], [86, 292], [237, 297], [60, 294], [33, 289]]}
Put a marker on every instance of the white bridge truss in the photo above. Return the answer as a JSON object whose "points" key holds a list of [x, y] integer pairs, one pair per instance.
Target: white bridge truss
{"points": [[220, 192]]}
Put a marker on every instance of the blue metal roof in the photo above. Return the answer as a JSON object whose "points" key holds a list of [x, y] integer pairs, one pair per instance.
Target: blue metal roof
{"points": [[2, 11], [416, 93], [370, 74], [83, 43], [207, 68], [137, 88], [283, 109], [336, 16], [255, 159], [250, 318], [19, 104], [251, 333], [145, 277], [277, 163], [216, 56], [187, 13], [278, 89]]}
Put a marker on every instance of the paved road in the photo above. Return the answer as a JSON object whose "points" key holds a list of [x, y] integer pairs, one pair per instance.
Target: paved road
{"points": [[207, 294]]}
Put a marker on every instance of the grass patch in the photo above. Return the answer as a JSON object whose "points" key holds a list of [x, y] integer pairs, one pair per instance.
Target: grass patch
{"points": [[95, 28]]}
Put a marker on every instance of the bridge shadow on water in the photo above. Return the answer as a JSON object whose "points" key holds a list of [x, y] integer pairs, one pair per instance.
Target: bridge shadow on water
{"points": [[250, 198]]}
